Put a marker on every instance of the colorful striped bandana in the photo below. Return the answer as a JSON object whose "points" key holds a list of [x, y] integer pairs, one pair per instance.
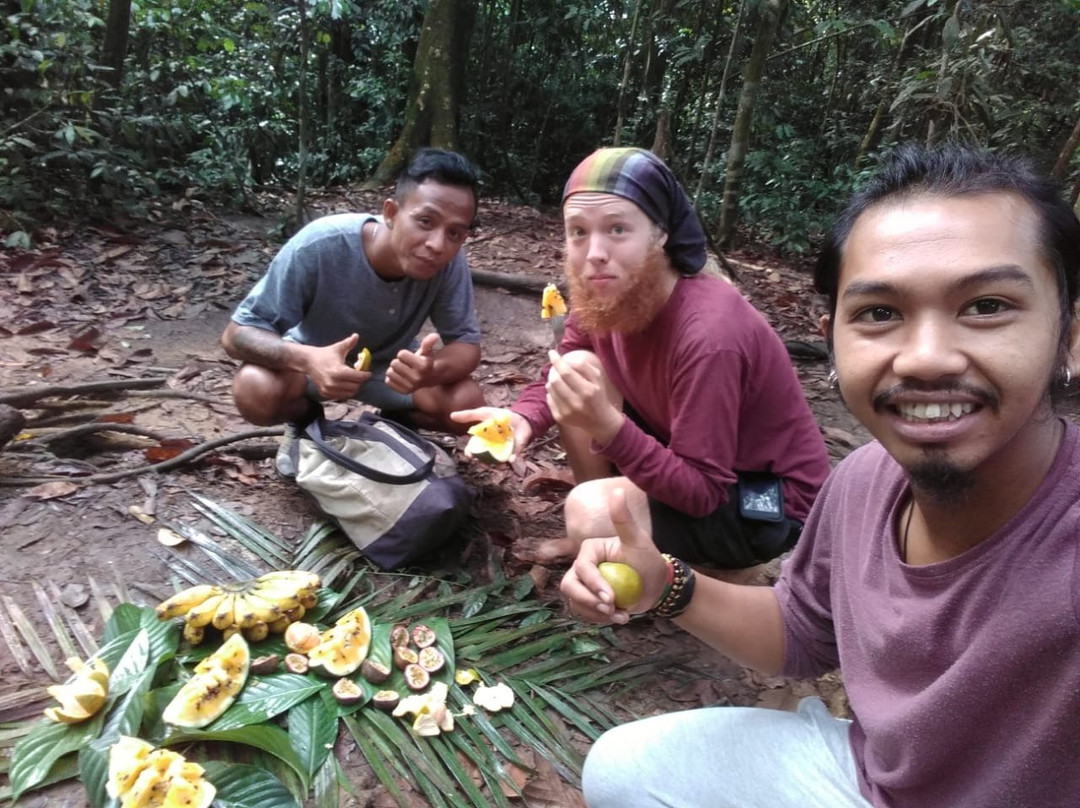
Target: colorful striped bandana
{"points": [[642, 177]]}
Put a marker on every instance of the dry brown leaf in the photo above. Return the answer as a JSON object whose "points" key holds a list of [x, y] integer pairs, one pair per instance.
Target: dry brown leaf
{"points": [[53, 490], [547, 790]]}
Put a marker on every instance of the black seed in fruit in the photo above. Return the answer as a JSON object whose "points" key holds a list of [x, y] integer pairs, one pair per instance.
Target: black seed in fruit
{"points": [[399, 635]]}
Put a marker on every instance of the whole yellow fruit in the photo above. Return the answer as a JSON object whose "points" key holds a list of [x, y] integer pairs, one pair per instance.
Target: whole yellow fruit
{"points": [[624, 580]]}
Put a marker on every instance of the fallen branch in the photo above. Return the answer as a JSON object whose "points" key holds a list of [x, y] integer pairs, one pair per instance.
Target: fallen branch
{"points": [[28, 395], [87, 429], [513, 283], [181, 459]]}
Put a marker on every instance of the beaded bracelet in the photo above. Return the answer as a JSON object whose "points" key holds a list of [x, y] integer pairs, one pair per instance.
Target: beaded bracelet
{"points": [[677, 595]]}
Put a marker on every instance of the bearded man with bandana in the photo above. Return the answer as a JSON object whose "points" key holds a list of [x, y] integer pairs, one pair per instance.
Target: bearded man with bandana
{"points": [[667, 383]]}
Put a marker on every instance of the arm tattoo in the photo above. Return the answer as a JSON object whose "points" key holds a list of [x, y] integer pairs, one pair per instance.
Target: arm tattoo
{"points": [[260, 347]]}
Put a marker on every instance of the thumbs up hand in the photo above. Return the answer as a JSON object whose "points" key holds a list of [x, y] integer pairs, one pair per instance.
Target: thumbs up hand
{"points": [[330, 372], [589, 595], [409, 371]]}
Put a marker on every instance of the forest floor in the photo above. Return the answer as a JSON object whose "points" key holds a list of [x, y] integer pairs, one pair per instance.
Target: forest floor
{"points": [[137, 298]]}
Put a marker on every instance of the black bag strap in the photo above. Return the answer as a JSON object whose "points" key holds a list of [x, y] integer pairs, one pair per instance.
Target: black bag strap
{"points": [[364, 429]]}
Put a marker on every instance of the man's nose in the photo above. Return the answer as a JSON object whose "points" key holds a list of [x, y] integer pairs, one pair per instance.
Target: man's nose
{"points": [[932, 347], [598, 252], [437, 240]]}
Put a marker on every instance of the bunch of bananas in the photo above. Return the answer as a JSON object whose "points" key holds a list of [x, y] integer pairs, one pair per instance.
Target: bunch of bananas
{"points": [[265, 605]]}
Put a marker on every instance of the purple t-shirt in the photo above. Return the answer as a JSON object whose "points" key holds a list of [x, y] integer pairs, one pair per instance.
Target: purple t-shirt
{"points": [[964, 675], [714, 383]]}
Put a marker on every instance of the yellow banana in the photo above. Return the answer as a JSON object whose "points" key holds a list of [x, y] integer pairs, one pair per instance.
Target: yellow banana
{"points": [[309, 601], [194, 634], [223, 617], [257, 632], [185, 600], [302, 577], [265, 610], [280, 625], [203, 614]]}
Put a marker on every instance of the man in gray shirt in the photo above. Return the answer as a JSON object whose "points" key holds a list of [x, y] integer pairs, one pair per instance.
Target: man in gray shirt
{"points": [[350, 282]]}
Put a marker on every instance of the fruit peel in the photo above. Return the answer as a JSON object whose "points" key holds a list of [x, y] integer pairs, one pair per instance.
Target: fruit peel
{"points": [[624, 581]]}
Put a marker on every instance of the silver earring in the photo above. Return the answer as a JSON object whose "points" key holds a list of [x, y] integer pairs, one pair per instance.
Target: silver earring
{"points": [[833, 380], [1068, 377]]}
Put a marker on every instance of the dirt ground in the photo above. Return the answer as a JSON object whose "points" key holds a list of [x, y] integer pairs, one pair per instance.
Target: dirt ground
{"points": [[139, 298]]}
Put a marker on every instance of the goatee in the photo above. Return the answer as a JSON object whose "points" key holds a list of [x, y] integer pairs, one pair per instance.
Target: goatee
{"points": [[629, 311], [941, 480]]}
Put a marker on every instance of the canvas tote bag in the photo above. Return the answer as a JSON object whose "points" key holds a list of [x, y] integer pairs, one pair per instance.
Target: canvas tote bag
{"points": [[394, 493]]}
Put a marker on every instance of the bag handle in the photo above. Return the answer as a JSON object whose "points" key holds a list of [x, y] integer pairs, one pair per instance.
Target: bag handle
{"points": [[314, 431]]}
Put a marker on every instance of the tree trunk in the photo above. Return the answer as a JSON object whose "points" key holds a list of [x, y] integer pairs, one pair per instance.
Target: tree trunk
{"points": [[1067, 152], [720, 102], [620, 103], [771, 11], [436, 88], [117, 29], [300, 211]]}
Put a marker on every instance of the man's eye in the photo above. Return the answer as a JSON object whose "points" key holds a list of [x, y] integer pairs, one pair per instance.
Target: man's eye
{"points": [[986, 306], [618, 229], [876, 314]]}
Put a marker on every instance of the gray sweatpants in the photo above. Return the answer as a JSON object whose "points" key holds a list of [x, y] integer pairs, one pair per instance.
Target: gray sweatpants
{"points": [[726, 757]]}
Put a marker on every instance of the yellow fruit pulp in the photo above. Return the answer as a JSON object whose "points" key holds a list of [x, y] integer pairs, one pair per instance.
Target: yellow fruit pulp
{"points": [[625, 582], [344, 647], [211, 691], [492, 439], [552, 303], [363, 360]]}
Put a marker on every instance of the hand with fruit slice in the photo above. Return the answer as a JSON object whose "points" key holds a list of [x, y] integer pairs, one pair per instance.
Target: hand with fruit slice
{"points": [[496, 434]]}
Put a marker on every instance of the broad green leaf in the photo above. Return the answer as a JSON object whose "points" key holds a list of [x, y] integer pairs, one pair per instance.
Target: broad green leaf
{"points": [[267, 737], [94, 772], [164, 635], [325, 784], [312, 730], [125, 716], [242, 786], [264, 697], [35, 754], [131, 664]]}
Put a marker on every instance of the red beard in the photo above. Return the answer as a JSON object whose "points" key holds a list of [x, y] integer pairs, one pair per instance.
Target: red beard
{"points": [[632, 309]]}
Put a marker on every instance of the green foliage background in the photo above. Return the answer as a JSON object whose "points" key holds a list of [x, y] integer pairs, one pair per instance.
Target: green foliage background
{"points": [[210, 94]]}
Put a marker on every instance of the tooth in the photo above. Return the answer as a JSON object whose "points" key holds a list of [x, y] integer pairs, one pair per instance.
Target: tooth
{"points": [[933, 410], [957, 409], [919, 411]]}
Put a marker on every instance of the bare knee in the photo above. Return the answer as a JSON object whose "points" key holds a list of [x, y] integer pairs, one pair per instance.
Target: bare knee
{"points": [[436, 403], [264, 397]]}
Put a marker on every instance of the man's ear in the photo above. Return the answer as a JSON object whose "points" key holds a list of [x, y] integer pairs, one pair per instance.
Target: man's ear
{"points": [[1073, 358], [824, 325], [389, 211]]}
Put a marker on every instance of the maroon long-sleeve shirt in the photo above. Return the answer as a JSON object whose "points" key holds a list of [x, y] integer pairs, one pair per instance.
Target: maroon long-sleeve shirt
{"points": [[714, 384]]}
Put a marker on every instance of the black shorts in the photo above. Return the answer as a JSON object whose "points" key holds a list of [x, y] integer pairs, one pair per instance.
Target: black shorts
{"points": [[724, 538]]}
